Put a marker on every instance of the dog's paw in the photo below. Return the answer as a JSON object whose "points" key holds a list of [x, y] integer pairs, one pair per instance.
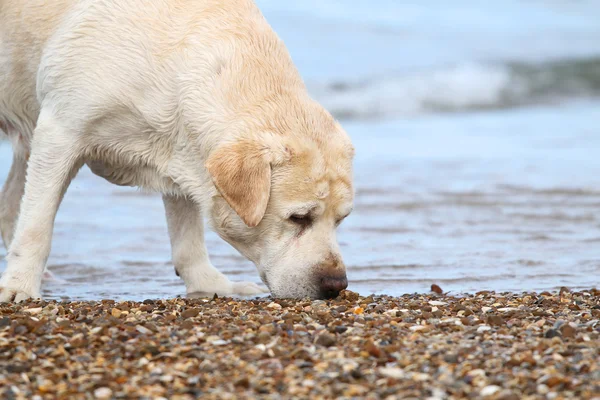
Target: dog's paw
{"points": [[247, 289], [229, 289], [13, 289], [8, 295]]}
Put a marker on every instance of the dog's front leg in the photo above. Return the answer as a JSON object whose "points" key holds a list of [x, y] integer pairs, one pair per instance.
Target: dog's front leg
{"points": [[54, 161], [11, 195], [192, 264]]}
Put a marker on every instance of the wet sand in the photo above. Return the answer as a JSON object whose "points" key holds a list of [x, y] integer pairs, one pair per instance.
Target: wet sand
{"points": [[490, 345]]}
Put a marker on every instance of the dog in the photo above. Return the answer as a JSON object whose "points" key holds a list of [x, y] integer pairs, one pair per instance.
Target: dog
{"points": [[198, 100]]}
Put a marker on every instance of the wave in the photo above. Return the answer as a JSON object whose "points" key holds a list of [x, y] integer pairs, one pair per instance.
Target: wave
{"points": [[460, 88]]}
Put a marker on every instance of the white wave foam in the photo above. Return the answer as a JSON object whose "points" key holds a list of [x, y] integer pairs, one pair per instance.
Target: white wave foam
{"points": [[461, 87]]}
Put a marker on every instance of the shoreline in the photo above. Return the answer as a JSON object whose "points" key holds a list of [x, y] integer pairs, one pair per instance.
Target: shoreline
{"points": [[485, 345]]}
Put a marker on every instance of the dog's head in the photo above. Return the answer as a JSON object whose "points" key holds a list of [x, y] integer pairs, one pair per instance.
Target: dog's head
{"points": [[280, 199]]}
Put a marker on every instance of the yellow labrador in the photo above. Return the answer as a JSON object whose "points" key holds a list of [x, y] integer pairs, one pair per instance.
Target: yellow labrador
{"points": [[196, 99]]}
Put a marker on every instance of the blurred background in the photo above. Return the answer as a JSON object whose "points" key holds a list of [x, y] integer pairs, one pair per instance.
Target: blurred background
{"points": [[477, 128]]}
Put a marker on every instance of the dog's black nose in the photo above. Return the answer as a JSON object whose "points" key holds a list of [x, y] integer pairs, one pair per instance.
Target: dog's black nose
{"points": [[331, 286]]}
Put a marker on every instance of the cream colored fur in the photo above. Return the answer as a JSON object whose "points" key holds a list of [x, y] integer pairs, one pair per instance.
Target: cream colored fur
{"points": [[196, 99]]}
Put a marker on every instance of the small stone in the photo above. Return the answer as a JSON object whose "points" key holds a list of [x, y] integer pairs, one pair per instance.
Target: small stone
{"points": [[274, 306], [372, 349], [219, 342], [476, 372], [392, 372], [558, 324], [542, 389], [451, 358], [355, 390], [554, 380], [115, 312], [348, 295], [340, 329], [263, 337], [96, 330], [18, 368], [326, 339], [507, 309], [437, 303], [63, 322], [190, 313], [103, 393], [418, 328], [495, 320], [243, 382], [436, 289], [420, 377], [309, 383], [508, 395], [143, 330], [540, 323], [33, 311], [568, 331], [551, 333], [77, 340], [489, 390], [484, 328]]}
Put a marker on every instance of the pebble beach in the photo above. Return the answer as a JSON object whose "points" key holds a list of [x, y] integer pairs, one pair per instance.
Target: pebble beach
{"points": [[484, 345]]}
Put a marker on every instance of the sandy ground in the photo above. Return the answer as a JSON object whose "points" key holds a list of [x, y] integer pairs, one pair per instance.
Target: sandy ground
{"points": [[486, 345]]}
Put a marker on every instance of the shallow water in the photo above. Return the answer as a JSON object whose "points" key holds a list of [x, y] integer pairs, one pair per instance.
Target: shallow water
{"points": [[478, 144]]}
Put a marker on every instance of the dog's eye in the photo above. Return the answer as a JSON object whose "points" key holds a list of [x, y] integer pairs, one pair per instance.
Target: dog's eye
{"points": [[302, 220]]}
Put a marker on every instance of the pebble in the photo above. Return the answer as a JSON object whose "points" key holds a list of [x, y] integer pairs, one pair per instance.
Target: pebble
{"points": [[220, 342], [392, 372], [103, 393], [436, 289], [143, 330], [353, 346], [490, 390], [551, 333], [326, 339], [372, 349], [507, 309], [568, 331], [451, 358], [542, 389], [418, 328], [190, 313], [438, 303], [476, 372]]}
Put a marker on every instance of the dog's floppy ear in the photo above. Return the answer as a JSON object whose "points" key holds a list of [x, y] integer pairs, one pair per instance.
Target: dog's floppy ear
{"points": [[241, 171]]}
